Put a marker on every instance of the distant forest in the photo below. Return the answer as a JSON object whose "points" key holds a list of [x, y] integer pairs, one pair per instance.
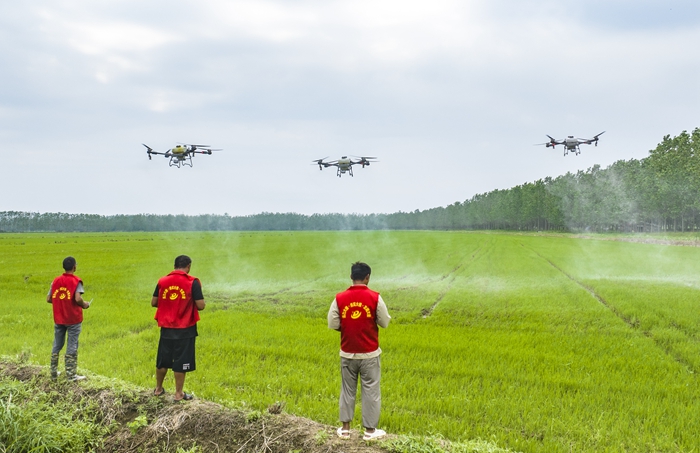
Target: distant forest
{"points": [[658, 193]]}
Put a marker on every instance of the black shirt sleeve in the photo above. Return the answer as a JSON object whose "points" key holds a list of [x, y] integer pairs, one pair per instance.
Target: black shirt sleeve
{"points": [[155, 293], [197, 290]]}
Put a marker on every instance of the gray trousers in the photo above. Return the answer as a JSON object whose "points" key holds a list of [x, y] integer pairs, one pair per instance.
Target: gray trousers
{"points": [[59, 338], [369, 371]]}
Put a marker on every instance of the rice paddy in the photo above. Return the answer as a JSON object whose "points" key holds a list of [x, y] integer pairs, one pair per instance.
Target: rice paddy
{"points": [[537, 344]]}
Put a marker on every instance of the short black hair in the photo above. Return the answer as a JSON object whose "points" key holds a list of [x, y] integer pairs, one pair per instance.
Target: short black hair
{"points": [[69, 263], [359, 271], [182, 262]]}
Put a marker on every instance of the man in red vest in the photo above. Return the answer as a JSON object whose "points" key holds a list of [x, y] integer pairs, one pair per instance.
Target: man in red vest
{"points": [[178, 298], [357, 314], [66, 298]]}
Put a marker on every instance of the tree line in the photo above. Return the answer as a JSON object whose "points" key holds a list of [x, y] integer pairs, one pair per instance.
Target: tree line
{"points": [[658, 193]]}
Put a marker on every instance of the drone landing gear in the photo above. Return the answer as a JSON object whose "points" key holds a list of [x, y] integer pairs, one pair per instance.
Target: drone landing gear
{"points": [[177, 162]]}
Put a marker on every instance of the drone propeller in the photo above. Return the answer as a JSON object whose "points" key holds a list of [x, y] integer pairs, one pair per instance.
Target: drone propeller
{"points": [[364, 157], [192, 144], [550, 144], [595, 137], [321, 163], [148, 150], [366, 160]]}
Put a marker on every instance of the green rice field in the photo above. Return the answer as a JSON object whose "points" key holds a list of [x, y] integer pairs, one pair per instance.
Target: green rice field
{"points": [[534, 343]]}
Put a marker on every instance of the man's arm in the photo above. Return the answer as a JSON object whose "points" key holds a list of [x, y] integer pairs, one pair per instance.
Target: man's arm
{"points": [[197, 295], [334, 316], [383, 317], [154, 299], [79, 290], [79, 301]]}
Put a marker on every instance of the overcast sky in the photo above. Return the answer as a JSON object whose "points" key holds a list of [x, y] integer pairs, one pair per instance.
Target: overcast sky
{"points": [[451, 96]]}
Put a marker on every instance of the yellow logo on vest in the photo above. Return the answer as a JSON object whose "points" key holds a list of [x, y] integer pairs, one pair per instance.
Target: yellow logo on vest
{"points": [[357, 309], [61, 293], [173, 293]]}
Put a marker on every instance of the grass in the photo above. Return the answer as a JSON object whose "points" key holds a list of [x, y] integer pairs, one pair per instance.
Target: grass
{"points": [[107, 415], [536, 344], [41, 422]]}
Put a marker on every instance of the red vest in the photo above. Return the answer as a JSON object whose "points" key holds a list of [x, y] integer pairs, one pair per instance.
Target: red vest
{"points": [[65, 311], [359, 332], [176, 308]]}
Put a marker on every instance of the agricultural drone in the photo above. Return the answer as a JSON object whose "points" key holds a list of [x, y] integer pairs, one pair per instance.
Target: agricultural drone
{"points": [[571, 143], [181, 154], [344, 164]]}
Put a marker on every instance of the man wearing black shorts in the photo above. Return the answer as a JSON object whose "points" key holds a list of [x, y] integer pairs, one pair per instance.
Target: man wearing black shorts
{"points": [[178, 298]]}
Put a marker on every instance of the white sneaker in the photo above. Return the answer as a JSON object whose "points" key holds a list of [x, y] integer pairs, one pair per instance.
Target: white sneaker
{"points": [[376, 434], [77, 377]]}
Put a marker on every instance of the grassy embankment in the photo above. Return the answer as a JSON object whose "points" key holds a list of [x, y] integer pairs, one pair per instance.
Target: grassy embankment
{"points": [[539, 344]]}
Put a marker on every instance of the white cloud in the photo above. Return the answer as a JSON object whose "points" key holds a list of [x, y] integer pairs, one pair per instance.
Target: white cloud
{"points": [[450, 95]]}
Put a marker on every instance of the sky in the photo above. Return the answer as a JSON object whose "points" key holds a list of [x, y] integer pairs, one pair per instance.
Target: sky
{"points": [[450, 96]]}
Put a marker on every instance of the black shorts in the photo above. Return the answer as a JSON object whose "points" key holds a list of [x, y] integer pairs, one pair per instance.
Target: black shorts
{"points": [[176, 354]]}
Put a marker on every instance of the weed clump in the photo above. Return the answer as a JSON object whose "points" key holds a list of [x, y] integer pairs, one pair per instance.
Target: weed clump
{"points": [[40, 421]]}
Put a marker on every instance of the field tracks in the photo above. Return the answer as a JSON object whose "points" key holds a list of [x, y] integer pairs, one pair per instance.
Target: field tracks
{"points": [[222, 301], [297, 285], [630, 321], [451, 277]]}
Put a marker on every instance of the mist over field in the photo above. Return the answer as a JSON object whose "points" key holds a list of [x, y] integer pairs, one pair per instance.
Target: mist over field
{"points": [[537, 343]]}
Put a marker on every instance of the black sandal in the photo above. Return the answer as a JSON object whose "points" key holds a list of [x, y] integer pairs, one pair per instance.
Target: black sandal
{"points": [[187, 397]]}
